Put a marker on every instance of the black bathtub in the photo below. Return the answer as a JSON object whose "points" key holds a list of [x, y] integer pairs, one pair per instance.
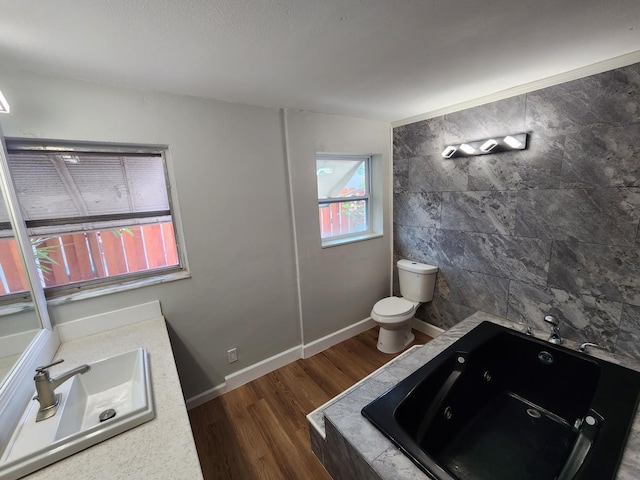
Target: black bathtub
{"points": [[500, 405]]}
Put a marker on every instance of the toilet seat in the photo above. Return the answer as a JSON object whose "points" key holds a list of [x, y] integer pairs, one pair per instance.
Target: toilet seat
{"points": [[393, 309]]}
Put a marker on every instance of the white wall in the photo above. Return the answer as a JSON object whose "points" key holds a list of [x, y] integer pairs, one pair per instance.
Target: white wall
{"points": [[230, 172], [338, 284]]}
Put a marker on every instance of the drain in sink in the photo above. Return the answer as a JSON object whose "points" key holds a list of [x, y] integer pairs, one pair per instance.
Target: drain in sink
{"points": [[107, 414]]}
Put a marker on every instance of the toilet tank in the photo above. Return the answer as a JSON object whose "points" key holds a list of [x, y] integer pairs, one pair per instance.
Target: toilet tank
{"points": [[417, 280]]}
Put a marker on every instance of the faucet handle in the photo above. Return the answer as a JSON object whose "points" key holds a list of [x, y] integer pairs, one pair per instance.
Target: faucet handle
{"points": [[44, 369], [552, 320]]}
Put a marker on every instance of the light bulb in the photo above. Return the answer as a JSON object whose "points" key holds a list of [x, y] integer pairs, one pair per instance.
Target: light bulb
{"points": [[488, 145], [512, 141], [466, 148], [449, 151]]}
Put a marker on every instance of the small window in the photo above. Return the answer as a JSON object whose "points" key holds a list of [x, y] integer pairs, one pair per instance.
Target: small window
{"points": [[94, 215], [344, 194]]}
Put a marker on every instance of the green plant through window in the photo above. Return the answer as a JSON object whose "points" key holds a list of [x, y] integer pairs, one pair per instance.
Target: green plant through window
{"points": [[42, 252], [357, 210]]}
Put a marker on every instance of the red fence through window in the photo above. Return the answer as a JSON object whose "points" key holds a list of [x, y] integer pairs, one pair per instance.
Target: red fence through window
{"points": [[83, 256], [342, 218]]}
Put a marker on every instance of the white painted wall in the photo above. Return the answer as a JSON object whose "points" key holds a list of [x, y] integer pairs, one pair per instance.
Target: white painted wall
{"points": [[229, 168], [21, 321], [338, 284]]}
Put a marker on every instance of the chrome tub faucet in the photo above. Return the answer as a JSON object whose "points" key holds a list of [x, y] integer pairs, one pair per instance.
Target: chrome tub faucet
{"points": [[46, 386], [583, 346], [555, 330]]}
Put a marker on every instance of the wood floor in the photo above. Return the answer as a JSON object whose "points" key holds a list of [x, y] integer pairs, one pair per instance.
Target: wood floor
{"points": [[259, 431]]}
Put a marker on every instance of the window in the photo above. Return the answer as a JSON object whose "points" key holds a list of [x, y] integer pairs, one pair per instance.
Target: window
{"points": [[94, 214], [344, 194], [13, 279]]}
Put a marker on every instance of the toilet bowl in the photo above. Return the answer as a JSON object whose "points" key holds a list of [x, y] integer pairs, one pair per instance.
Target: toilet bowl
{"points": [[394, 314]]}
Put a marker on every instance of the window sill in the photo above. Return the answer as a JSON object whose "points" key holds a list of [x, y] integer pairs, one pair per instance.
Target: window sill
{"points": [[120, 287], [356, 238]]}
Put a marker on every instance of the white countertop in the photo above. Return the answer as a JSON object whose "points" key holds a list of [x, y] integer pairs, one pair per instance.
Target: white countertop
{"points": [[162, 448]]}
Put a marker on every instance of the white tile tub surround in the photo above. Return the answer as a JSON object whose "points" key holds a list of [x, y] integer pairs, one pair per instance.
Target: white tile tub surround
{"points": [[161, 448], [348, 444]]}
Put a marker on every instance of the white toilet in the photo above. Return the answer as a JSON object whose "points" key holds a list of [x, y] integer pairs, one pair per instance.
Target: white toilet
{"points": [[394, 314]]}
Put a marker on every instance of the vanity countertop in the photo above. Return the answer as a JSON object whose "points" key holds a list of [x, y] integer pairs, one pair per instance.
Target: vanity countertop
{"points": [[351, 447], [162, 448]]}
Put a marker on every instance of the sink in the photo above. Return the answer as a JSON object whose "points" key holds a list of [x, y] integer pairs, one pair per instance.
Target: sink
{"points": [[114, 396]]}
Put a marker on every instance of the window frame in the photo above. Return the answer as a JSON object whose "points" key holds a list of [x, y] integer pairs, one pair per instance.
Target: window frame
{"points": [[119, 282], [367, 198]]}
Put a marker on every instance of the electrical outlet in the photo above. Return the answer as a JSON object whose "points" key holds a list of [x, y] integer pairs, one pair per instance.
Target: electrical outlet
{"points": [[232, 355]]}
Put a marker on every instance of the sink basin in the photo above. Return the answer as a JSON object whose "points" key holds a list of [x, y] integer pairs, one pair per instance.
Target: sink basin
{"points": [[114, 396]]}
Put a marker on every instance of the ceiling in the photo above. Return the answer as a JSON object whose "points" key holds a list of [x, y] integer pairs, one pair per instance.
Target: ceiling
{"points": [[379, 59]]}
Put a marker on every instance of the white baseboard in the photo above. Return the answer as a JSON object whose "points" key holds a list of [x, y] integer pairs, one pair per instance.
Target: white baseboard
{"points": [[317, 346], [246, 375], [252, 372], [259, 369], [426, 328], [205, 396], [108, 321]]}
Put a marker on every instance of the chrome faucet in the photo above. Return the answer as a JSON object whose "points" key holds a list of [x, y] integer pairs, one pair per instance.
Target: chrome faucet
{"points": [[46, 386], [555, 330], [583, 346]]}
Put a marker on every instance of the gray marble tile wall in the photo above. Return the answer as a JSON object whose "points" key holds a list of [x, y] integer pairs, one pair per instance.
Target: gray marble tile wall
{"points": [[551, 229]]}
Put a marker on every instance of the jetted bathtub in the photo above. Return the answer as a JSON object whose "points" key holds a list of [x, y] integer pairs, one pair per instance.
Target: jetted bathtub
{"points": [[501, 405]]}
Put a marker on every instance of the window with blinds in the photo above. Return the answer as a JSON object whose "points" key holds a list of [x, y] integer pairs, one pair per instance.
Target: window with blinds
{"points": [[93, 215]]}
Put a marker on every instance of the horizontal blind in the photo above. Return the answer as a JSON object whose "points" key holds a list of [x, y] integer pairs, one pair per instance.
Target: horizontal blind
{"points": [[40, 191], [58, 189]]}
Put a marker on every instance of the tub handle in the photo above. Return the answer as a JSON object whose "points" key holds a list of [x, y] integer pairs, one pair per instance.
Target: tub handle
{"points": [[436, 405], [586, 437]]}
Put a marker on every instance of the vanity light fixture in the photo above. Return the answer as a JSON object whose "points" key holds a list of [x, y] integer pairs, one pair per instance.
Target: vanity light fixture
{"points": [[488, 145], [4, 105]]}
